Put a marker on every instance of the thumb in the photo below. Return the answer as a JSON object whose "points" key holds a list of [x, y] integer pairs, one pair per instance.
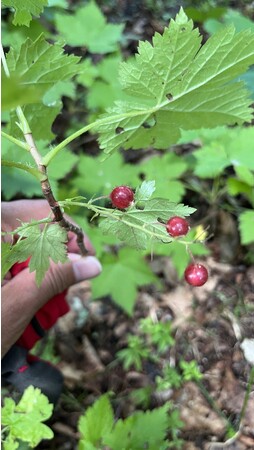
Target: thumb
{"points": [[61, 276], [22, 298]]}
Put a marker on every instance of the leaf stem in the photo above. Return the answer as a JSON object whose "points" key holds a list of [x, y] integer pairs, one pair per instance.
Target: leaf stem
{"points": [[42, 171], [32, 170], [15, 141], [112, 213], [4, 62], [104, 121]]}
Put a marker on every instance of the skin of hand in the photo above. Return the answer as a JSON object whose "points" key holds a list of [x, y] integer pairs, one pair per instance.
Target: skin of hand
{"points": [[21, 297]]}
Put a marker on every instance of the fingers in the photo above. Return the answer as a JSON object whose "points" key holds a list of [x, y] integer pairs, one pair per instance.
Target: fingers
{"points": [[22, 298], [13, 213]]}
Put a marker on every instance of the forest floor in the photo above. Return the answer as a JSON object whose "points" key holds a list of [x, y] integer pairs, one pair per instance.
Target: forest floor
{"points": [[209, 325]]}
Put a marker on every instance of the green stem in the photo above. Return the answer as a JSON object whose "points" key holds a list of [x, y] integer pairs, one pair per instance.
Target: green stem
{"points": [[212, 403], [4, 62], [15, 141], [32, 170], [246, 397], [107, 120], [114, 214], [24, 126]]}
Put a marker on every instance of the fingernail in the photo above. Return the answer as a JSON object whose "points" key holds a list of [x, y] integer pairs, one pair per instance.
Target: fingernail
{"points": [[87, 267]]}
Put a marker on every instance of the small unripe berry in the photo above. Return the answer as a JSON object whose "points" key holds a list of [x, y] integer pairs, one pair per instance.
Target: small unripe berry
{"points": [[121, 197], [177, 226], [196, 274]]}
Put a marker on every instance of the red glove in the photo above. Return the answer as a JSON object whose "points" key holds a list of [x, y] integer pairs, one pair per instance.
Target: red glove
{"points": [[45, 318]]}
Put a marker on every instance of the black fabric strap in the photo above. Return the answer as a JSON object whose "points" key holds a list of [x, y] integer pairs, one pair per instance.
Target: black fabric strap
{"points": [[37, 328]]}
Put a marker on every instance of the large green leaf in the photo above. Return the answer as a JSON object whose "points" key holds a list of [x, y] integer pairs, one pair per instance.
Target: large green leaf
{"points": [[100, 177], [121, 276], [41, 64], [25, 9], [88, 28], [178, 84]]}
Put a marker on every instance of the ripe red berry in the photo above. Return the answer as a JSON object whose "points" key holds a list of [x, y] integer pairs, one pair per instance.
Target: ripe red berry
{"points": [[121, 197], [177, 226], [196, 274]]}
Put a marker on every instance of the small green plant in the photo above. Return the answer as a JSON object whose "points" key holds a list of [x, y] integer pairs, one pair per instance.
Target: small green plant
{"points": [[134, 353], [147, 429], [158, 334], [23, 422]]}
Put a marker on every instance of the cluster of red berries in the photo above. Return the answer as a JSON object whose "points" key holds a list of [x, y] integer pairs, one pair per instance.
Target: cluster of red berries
{"points": [[195, 274]]}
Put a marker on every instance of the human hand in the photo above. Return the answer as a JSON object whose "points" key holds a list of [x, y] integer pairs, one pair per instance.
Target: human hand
{"points": [[21, 297]]}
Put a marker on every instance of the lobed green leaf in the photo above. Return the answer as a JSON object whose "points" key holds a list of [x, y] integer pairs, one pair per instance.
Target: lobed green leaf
{"points": [[178, 84]]}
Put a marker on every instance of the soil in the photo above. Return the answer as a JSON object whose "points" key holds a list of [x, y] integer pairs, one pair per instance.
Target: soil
{"points": [[209, 323]]}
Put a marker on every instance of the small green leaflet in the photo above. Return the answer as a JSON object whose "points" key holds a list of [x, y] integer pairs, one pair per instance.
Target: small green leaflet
{"points": [[145, 191], [178, 84], [131, 271], [96, 422], [24, 420], [41, 246], [246, 227], [25, 9], [135, 227], [91, 29]]}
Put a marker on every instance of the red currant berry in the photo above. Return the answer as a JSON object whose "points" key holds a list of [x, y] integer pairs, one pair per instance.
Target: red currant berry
{"points": [[121, 197], [196, 274], [177, 226]]}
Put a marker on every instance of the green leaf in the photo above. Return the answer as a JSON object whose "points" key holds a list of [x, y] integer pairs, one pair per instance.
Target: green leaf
{"points": [[24, 420], [41, 246], [40, 119], [5, 255], [14, 94], [223, 148], [136, 227], [140, 430], [246, 225], [166, 171], [211, 160], [230, 17], [100, 177], [25, 9], [60, 89], [91, 29], [145, 191], [121, 276], [96, 422], [41, 64], [177, 84]]}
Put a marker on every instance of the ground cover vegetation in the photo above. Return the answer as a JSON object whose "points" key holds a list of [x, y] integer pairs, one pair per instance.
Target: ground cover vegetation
{"points": [[141, 119]]}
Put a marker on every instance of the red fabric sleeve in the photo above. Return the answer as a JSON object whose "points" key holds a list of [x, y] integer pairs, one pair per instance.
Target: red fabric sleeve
{"points": [[46, 316]]}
